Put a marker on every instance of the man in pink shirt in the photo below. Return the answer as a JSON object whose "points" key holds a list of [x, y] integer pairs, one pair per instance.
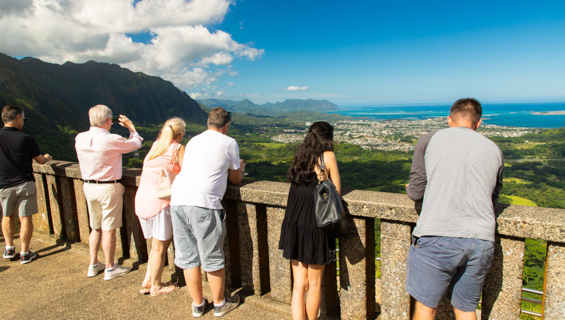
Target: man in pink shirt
{"points": [[100, 159]]}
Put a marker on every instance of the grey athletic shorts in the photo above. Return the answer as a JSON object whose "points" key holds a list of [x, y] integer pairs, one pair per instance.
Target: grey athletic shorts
{"points": [[456, 266], [199, 234], [22, 198]]}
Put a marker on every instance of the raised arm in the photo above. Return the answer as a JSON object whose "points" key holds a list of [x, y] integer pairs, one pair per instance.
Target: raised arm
{"points": [[134, 142], [331, 165]]}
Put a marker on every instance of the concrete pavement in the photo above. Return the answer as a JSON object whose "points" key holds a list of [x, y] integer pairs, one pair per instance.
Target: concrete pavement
{"points": [[55, 286]]}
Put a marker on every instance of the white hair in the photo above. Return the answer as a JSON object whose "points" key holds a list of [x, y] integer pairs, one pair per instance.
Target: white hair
{"points": [[99, 114]]}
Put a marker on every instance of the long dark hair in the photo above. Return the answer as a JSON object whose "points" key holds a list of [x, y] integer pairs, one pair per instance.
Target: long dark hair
{"points": [[318, 139]]}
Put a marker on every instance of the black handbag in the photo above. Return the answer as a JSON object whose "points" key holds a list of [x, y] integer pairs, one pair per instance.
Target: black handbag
{"points": [[330, 215]]}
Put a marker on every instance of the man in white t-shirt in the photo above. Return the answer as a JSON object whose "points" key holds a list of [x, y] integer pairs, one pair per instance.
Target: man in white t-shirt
{"points": [[198, 217]]}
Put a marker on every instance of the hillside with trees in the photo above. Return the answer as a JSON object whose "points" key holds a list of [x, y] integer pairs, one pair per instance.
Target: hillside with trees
{"points": [[56, 98]]}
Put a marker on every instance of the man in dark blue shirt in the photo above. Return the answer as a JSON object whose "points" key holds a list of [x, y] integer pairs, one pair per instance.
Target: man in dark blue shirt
{"points": [[17, 184]]}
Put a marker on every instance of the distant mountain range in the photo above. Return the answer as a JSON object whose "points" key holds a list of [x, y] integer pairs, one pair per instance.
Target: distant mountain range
{"points": [[247, 106], [56, 98], [62, 94]]}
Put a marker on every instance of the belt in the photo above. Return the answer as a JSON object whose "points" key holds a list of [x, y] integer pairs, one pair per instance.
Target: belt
{"points": [[101, 182]]}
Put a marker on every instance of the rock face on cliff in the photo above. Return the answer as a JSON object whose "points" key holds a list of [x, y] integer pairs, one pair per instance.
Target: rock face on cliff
{"points": [[62, 94], [289, 105]]}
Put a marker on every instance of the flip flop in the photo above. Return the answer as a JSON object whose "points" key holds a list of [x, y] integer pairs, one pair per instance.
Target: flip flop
{"points": [[165, 290], [145, 290]]}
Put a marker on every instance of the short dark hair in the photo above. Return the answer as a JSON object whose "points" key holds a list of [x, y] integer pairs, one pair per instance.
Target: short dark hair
{"points": [[218, 118], [467, 107], [9, 113]]}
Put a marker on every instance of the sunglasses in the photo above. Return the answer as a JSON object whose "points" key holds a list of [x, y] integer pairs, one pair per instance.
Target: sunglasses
{"points": [[229, 115], [25, 120]]}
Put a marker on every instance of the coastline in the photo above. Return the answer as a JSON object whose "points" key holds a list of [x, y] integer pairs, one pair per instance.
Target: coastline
{"points": [[549, 113]]}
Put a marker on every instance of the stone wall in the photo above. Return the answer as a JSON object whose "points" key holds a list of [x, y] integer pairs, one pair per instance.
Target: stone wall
{"points": [[255, 211]]}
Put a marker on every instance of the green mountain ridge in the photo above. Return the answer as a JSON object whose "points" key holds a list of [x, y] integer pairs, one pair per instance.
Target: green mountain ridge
{"points": [[56, 98], [247, 106]]}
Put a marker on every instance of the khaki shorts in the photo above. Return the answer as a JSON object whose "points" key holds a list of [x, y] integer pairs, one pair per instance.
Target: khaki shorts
{"points": [[105, 204], [22, 198]]}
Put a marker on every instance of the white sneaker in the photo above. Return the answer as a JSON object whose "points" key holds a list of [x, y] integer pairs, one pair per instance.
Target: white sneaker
{"points": [[93, 271], [117, 271]]}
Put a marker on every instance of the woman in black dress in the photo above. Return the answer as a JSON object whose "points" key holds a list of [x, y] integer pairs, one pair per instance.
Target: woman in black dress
{"points": [[308, 247]]}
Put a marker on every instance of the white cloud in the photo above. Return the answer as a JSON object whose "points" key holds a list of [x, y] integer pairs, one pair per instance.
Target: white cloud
{"points": [[220, 58], [198, 95], [295, 88], [231, 84], [181, 48]]}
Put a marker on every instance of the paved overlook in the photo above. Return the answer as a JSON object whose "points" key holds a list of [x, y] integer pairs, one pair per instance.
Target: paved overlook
{"points": [[55, 286]]}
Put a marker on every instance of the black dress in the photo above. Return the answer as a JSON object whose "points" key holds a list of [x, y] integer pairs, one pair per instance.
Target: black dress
{"points": [[301, 239]]}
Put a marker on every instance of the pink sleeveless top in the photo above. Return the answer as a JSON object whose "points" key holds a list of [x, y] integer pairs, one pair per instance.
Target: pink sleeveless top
{"points": [[147, 204]]}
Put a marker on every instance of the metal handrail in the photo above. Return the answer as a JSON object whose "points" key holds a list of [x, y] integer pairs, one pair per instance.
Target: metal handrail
{"points": [[532, 300], [538, 292], [531, 313], [532, 291]]}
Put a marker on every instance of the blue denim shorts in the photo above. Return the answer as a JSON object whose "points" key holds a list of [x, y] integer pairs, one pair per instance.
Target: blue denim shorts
{"points": [[456, 266], [199, 235]]}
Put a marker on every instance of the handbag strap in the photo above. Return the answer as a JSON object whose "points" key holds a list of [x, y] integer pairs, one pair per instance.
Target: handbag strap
{"points": [[175, 157], [323, 169], [322, 164]]}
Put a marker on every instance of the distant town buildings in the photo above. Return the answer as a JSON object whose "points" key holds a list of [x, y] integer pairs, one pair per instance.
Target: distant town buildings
{"points": [[394, 135]]}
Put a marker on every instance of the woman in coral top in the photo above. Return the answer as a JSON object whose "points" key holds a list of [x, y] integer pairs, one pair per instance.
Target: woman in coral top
{"points": [[154, 213]]}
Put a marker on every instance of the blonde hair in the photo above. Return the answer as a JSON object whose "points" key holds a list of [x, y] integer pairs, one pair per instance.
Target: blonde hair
{"points": [[171, 130], [98, 115]]}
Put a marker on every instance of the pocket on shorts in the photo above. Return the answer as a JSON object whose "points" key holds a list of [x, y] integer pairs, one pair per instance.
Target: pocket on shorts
{"points": [[423, 242], [204, 214], [118, 189], [488, 254], [221, 226], [27, 189], [446, 246]]}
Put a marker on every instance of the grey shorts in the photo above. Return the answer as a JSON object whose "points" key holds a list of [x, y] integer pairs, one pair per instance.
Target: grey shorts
{"points": [[456, 266], [22, 198], [199, 235]]}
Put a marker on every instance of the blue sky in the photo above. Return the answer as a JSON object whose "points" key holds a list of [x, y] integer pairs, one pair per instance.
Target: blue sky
{"points": [[347, 52], [364, 52]]}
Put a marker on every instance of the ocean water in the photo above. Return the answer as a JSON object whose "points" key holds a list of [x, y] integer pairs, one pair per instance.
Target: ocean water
{"points": [[508, 114]]}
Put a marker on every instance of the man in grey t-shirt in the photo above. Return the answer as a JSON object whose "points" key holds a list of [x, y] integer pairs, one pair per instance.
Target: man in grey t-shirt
{"points": [[458, 174]]}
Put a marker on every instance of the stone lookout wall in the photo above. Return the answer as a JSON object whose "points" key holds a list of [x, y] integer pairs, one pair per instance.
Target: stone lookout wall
{"points": [[255, 211]]}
